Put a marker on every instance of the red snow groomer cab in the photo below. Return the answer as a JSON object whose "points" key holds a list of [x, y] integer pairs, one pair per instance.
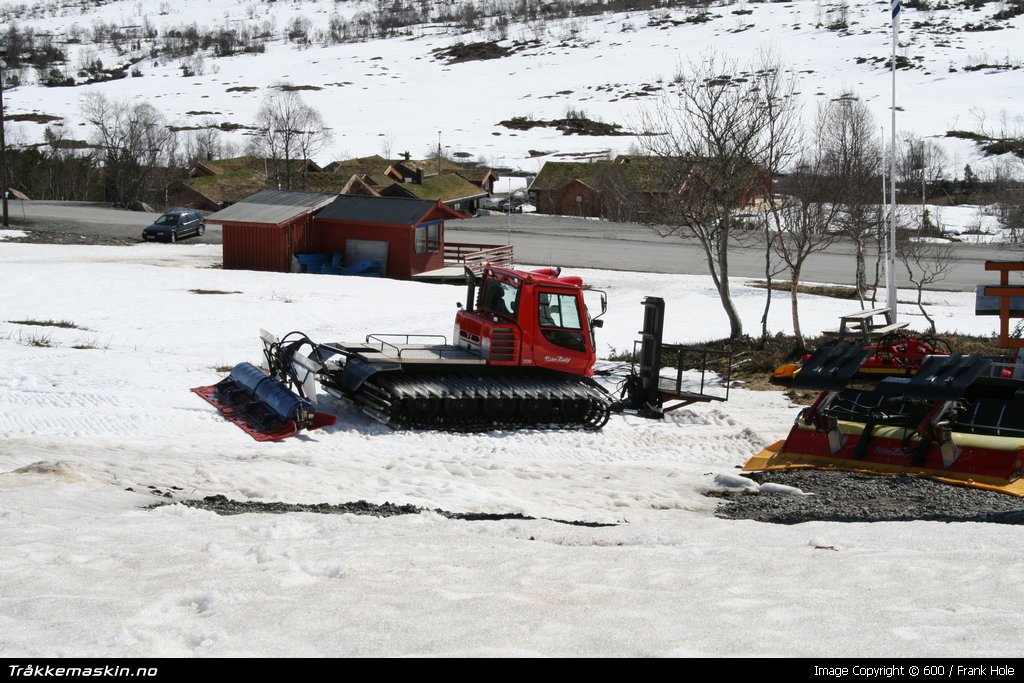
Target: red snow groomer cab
{"points": [[532, 319]]}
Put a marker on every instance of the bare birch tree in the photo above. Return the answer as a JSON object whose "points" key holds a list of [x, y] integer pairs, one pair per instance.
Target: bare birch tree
{"points": [[919, 162], [855, 145], [313, 137], [288, 130], [204, 144], [132, 141], [927, 262], [712, 133], [811, 202], [784, 134]]}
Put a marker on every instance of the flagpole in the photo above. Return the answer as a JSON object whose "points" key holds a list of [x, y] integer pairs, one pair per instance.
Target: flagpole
{"points": [[890, 284], [884, 231]]}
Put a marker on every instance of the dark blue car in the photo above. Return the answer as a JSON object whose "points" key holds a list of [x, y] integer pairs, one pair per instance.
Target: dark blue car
{"points": [[174, 225]]}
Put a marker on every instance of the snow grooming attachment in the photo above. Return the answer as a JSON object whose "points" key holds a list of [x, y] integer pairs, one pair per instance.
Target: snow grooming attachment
{"points": [[261, 405], [894, 355], [958, 420]]}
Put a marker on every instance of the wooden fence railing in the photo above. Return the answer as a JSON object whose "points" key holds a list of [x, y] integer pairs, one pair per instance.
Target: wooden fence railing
{"points": [[476, 256]]}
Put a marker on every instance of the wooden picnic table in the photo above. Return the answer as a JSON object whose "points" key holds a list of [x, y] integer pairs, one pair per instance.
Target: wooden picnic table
{"points": [[862, 324]]}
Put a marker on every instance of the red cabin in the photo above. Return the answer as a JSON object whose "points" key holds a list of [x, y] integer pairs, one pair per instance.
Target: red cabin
{"points": [[533, 319]]}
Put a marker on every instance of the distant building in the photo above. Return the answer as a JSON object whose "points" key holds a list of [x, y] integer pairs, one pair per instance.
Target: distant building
{"points": [[627, 188], [218, 183]]}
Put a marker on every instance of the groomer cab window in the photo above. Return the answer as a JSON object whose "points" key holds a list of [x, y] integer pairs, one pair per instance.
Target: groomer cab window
{"points": [[500, 297], [560, 321]]}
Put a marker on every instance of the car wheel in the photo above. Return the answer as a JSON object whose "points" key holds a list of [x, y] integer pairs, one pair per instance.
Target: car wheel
{"points": [[174, 235], [202, 229]]}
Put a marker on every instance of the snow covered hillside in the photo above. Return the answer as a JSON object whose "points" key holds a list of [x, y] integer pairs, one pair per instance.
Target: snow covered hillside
{"points": [[387, 95], [100, 346]]}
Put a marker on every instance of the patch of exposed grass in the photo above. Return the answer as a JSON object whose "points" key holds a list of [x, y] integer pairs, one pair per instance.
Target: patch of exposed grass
{"points": [[294, 88], [34, 118], [967, 135], [63, 324], [89, 345], [753, 361], [38, 340], [214, 291], [574, 123], [223, 369], [462, 52], [228, 126]]}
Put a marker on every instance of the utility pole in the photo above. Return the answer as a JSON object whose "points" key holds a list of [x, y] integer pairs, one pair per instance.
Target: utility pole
{"points": [[924, 193], [884, 232], [3, 144]]}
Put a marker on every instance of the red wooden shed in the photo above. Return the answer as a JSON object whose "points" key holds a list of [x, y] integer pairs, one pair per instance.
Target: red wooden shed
{"points": [[406, 235]]}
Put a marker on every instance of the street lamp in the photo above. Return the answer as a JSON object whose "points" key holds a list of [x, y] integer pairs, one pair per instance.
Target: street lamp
{"points": [[3, 145]]}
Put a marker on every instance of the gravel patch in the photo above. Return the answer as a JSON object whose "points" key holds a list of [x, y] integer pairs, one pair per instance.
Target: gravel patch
{"points": [[855, 497], [63, 237]]}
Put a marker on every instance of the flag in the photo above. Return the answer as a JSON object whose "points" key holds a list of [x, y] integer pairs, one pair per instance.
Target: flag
{"points": [[895, 6]]}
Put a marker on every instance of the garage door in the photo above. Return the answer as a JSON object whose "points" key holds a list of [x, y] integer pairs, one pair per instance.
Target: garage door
{"points": [[366, 250]]}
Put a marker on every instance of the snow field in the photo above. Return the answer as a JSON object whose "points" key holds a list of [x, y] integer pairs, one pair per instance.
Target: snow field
{"points": [[89, 569]]}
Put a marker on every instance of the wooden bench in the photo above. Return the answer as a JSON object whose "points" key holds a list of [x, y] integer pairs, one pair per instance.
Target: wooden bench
{"points": [[886, 329]]}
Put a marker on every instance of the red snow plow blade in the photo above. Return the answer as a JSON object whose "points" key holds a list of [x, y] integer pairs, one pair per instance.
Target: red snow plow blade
{"points": [[959, 420], [261, 405]]}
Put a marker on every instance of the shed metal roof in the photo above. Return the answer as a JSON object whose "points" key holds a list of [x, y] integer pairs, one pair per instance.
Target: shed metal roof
{"points": [[385, 210], [271, 207]]}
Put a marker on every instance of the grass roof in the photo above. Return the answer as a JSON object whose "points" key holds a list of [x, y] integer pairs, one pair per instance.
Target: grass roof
{"points": [[634, 175], [445, 187], [249, 163], [361, 165], [228, 188], [235, 165]]}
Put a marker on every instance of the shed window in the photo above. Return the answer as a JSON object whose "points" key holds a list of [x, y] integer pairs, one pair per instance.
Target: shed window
{"points": [[428, 238]]}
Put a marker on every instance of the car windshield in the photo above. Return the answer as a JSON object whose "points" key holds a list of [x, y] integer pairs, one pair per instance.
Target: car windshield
{"points": [[167, 219]]}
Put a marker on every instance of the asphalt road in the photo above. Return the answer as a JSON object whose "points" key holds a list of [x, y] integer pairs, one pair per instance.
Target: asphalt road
{"points": [[555, 240], [542, 240], [86, 218]]}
